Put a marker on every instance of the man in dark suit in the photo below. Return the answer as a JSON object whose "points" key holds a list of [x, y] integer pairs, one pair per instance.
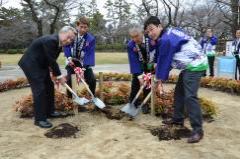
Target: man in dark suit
{"points": [[36, 63]]}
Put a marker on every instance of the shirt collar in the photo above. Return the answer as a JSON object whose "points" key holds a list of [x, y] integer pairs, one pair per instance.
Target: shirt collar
{"points": [[144, 40], [80, 36], [161, 34], [59, 44], [59, 41]]}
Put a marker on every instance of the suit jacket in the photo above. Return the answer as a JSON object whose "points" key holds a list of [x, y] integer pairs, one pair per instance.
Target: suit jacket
{"points": [[42, 54]]}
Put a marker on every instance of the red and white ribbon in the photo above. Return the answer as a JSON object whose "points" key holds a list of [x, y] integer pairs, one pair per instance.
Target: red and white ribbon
{"points": [[79, 74], [147, 79]]}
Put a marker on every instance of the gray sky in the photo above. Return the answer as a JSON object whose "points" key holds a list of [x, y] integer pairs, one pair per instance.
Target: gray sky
{"points": [[11, 3], [100, 4], [16, 3]]}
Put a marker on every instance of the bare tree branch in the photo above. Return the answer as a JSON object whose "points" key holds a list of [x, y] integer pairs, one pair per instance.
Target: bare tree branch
{"points": [[147, 9], [157, 6], [168, 11]]}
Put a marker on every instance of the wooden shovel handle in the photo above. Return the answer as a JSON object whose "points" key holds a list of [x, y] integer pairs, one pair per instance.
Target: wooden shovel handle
{"points": [[146, 99], [138, 93], [70, 89]]}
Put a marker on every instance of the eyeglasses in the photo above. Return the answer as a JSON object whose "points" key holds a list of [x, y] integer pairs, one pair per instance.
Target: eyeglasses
{"points": [[150, 28]]}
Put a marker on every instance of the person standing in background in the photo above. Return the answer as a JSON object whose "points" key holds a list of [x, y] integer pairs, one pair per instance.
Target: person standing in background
{"points": [[236, 49], [208, 43]]}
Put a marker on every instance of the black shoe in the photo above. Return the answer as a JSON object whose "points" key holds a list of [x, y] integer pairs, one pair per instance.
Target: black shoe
{"points": [[195, 137], [145, 109], [172, 122], [55, 115], [43, 124]]}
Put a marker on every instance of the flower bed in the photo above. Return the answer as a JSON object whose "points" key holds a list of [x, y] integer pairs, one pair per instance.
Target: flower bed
{"points": [[215, 83], [25, 105], [114, 94], [13, 84], [219, 84]]}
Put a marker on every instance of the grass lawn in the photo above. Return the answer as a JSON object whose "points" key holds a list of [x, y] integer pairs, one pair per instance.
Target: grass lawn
{"points": [[101, 58]]}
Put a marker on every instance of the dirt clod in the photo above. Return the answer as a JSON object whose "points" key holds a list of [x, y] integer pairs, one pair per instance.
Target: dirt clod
{"points": [[113, 113], [170, 132], [64, 130]]}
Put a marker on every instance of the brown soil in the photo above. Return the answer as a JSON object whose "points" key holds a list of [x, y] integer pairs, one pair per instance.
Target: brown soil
{"points": [[101, 138], [114, 113], [64, 130], [171, 132]]}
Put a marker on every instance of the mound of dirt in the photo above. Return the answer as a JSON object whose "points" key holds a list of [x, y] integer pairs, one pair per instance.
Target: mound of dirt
{"points": [[64, 130], [170, 132], [113, 113]]}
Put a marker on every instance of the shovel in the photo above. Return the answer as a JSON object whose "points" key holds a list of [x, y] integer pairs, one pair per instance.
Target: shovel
{"points": [[130, 108], [80, 101], [135, 113], [97, 102]]}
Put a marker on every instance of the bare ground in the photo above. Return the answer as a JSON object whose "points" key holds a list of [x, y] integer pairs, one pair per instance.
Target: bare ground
{"points": [[101, 138]]}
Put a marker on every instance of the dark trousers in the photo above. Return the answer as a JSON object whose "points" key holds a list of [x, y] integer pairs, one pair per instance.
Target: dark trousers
{"points": [[186, 95], [43, 92], [88, 76], [135, 86], [237, 71], [211, 60]]}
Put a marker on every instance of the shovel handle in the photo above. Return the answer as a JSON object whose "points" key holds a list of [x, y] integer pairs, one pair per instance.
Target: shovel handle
{"points": [[138, 93], [146, 99], [88, 89], [70, 89]]}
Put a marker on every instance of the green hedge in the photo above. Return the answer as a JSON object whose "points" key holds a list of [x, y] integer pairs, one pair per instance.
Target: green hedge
{"points": [[12, 51], [99, 47], [110, 47], [3, 51]]}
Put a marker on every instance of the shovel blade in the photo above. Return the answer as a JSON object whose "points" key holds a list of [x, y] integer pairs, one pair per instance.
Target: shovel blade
{"points": [[98, 103], [81, 101], [130, 109]]}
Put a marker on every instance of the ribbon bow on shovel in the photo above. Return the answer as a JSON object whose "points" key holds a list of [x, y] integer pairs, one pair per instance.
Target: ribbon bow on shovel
{"points": [[147, 79], [79, 74]]}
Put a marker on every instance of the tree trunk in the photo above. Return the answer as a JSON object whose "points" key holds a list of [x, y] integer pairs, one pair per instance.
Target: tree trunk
{"points": [[40, 28], [35, 18], [57, 13], [235, 13]]}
